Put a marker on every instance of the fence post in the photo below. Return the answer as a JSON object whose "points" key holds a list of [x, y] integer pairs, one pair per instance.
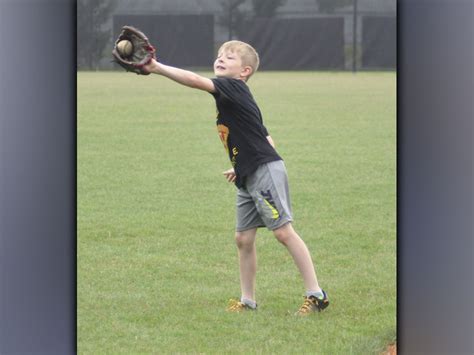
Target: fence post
{"points": [[354, 38]]}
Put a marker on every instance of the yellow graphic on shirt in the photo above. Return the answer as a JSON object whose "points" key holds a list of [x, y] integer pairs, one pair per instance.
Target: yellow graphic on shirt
{"points": [[223, 135]]}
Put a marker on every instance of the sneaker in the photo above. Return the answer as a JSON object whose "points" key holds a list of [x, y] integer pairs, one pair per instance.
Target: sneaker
{"points": [[236, 306], [313, 304]]}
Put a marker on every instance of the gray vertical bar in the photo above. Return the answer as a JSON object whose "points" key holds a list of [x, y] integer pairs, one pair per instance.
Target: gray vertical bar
{"points": [[436, 176], [37, 177]]}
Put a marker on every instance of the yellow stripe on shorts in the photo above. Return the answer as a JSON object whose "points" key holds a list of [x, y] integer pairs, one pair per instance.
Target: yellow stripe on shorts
{"points": [[275, 214]]}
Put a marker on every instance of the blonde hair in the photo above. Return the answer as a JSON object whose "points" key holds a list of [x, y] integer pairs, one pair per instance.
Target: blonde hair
{"points": [[245, 51]]}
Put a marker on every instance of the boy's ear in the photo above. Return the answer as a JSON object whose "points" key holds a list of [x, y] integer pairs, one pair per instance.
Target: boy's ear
{"points": [[247, 71]]}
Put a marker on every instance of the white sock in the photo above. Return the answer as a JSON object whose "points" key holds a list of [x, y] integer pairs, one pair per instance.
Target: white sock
{"points": [[250, 303], [317, 294]]}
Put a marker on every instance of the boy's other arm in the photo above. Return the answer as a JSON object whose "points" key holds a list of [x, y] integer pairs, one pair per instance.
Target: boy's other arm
{"points": [[181, 76], [229, 175]]}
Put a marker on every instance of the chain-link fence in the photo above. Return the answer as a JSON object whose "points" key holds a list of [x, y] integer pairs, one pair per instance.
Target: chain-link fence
{"points": [[288, 34]]}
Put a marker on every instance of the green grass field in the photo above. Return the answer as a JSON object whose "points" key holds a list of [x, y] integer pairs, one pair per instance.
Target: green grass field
{"points": [[157, 261]]}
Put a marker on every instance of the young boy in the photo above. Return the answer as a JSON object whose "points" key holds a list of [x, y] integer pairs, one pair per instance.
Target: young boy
{"points": [[258, 171]]}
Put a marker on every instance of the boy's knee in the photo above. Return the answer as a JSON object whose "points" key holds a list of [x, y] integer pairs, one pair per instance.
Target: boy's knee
{"points": [[243, 240], [282, 235], [285, 233]]}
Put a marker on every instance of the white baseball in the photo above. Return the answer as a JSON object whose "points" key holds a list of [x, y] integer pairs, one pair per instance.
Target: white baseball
{"points": [[125, 47]]}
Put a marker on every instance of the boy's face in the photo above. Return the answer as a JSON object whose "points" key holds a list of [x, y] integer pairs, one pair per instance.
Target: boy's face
{"points": [[229, 65]]}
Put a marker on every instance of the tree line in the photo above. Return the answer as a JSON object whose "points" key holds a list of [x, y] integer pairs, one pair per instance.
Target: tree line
{"points": [[93, 34]]}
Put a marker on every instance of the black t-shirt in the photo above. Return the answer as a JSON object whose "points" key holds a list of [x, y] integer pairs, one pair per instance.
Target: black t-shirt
{"points": [[241, 129]]}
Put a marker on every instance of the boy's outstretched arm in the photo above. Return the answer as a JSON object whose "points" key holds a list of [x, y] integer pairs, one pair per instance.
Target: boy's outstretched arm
{"points": [[181, 76]]}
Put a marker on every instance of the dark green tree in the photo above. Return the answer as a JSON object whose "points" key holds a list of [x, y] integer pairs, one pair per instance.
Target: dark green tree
{"points": [[329, 6], [92, 38], [266, 8], [231, 15]]}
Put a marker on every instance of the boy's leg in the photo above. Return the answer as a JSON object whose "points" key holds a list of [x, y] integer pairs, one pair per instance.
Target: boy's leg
{"points": [[245, 241], [298, 250]]}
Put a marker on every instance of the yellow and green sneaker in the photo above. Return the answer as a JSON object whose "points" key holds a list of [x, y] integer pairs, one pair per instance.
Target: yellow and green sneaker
{"points": [[313, 304], [235, 306]]}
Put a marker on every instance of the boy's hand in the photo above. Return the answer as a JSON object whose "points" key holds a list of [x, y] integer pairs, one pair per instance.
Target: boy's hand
{"points": [[151, 67], [229, 175]]}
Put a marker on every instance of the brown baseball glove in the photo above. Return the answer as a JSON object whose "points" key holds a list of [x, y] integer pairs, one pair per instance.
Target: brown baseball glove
{"points": [[140, 54]]}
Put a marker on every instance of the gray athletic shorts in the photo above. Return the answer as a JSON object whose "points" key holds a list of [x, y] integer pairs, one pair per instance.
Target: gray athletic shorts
{"points": [[265, 199]]}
